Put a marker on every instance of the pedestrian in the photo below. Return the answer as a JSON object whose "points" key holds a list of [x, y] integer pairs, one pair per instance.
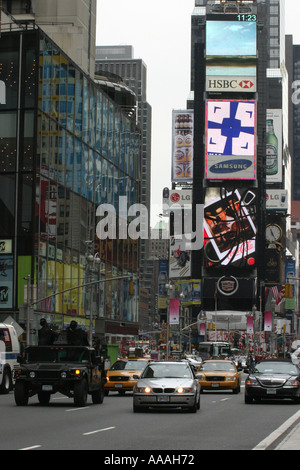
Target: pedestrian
{"points": [[76, 336], [46, 336]]}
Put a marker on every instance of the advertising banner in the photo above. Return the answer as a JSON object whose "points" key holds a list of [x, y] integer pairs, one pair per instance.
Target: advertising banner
{"points": [[174, 312], [180, 259], [230, 227], [250, 325], [268, 321], [230, 140], [274, 146], [182, 146], [277, 199], [188, 291]]}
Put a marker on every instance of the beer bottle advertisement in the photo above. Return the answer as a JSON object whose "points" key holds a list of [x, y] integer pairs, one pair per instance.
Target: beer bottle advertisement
{"points": [[274, 146]]}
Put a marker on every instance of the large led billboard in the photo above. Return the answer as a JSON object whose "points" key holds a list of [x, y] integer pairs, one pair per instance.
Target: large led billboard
{"points": [[230, 227], [230, 140], [231, 48]]}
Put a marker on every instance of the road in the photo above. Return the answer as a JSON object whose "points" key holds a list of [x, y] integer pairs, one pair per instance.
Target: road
{"points": [[223, 422]]}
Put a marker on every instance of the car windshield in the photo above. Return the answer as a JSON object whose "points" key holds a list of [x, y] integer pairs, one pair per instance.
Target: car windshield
{"points": [[57, 355], [158, 371], [275, 368], [129, 365], [220, 366]]}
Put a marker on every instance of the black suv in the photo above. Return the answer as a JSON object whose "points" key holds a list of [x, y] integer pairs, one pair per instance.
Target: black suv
{"points": [[74, 371]]}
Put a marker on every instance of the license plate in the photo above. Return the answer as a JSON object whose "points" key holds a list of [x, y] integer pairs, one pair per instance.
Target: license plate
{"points": [[47, 388], [118, 385], [215, 385], [163, 399], [270, 391]]}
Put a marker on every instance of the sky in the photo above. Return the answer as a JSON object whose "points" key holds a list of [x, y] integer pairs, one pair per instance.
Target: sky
{"points": [[160, 33]]}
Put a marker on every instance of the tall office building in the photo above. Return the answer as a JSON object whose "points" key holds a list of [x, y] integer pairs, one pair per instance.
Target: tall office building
{"points": [[71, 24], [240, 185], [67, 147], [296, 124], [119, 60]]}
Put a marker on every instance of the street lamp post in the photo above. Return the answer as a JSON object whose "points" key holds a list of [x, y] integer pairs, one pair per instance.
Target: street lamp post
{"points": [[92, 262]]}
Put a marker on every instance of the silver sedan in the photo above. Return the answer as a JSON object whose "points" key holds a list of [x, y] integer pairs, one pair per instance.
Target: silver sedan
{"points": [[167, 385]]}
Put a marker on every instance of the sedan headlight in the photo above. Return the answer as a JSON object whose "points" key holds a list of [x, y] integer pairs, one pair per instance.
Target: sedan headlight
{"points": [[230, 379], [293, 381], [32, 375], [185, 390], [143, 390], [251, 381]]}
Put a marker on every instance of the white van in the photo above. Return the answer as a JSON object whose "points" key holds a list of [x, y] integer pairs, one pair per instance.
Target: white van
{"points": [[9, 352]]}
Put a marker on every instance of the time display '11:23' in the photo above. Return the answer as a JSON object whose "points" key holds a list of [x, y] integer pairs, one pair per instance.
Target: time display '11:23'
{"points": [[247, 18]]}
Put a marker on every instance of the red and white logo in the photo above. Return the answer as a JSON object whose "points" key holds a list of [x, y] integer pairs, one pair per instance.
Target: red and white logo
{"points": [[246, 84], [175, 197]]}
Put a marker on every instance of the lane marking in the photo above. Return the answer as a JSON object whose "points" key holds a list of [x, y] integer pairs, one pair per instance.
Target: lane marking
{"points": [[263, 445], [31, 448], [98, 430], [79, 409]]}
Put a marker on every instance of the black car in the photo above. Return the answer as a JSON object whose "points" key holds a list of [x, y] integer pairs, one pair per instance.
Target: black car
{"points": [[273, 378], [74, 371]]}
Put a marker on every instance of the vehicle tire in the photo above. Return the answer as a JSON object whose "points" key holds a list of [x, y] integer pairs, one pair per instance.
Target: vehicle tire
{"points": [[198, 404], [248, 400], [138, 408], [6, 385], [106, 393], [80, 393], [44, 398], [98, 396], [236, 390], [194, 407], [21, 394]]}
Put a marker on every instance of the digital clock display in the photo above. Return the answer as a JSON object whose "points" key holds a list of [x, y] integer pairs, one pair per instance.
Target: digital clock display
{"points": [[252, 18]]}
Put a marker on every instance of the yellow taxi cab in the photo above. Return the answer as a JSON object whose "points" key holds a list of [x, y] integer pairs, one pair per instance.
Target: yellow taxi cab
{"points": [[120, 375], [219, 375]]}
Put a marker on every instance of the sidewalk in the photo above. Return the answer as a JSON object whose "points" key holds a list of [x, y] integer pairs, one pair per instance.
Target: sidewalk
{"points": [[292, 440], [286, 437]]}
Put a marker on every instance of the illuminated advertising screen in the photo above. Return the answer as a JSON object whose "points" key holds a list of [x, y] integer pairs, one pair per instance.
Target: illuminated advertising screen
{"points": [[230, 140], [274, 146], [183, 144], [230, 227], [231, 47]]}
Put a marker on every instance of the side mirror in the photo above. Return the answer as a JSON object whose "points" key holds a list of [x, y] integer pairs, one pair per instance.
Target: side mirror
{"points": [[135, 377]]}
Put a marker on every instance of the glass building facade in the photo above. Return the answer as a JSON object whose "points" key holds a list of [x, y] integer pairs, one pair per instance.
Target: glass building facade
{"points": [[65, 149]]}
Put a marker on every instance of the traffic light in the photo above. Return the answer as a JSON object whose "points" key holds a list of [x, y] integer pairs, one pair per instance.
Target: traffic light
{"points": [[287, 291]]}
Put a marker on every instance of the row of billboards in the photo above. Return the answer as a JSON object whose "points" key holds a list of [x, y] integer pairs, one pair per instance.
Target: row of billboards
{"points": [[230, 142]]}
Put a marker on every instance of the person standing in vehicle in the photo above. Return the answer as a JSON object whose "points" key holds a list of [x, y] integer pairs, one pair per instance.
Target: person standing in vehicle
{"points": [[46, 336], [76, 336]]}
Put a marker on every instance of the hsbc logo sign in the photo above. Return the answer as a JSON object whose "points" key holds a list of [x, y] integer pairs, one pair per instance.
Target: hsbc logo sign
{"points": [[245, 84]]}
